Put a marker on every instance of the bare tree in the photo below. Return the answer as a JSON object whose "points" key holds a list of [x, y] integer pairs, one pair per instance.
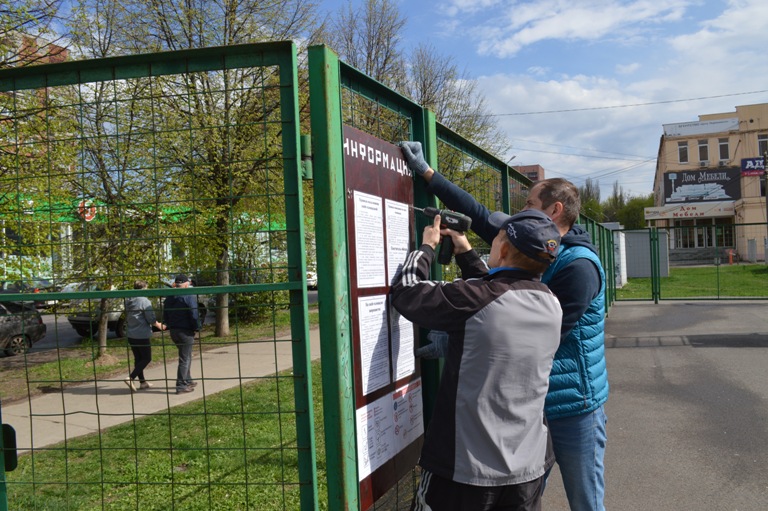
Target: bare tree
{"points": [[368, 38], [614, 203], [435, 82]]}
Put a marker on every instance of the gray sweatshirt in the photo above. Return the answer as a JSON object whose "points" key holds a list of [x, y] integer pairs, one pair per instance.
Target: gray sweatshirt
{"points": [[139, 317]]}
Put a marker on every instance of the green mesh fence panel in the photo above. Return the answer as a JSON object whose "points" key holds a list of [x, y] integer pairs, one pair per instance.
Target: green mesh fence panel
{"points": [[701, 262], [140, 168]]}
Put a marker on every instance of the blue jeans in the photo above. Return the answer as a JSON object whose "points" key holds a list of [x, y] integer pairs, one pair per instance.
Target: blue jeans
{"points": [[579, 444], [184, 341]]}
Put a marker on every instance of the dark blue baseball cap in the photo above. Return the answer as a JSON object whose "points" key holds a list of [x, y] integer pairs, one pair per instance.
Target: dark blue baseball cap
{"points": [[531, 231]]}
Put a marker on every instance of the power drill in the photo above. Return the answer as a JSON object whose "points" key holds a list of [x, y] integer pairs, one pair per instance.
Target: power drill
{"points": [[448, 220]]}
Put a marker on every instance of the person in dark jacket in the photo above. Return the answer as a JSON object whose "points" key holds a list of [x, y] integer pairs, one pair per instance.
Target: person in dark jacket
{"points": [[487, 446], [578, 387], [181, 318], [139, 319]]}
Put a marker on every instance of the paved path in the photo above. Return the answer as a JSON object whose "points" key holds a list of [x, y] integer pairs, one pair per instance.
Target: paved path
{"points": [[83, 409]]}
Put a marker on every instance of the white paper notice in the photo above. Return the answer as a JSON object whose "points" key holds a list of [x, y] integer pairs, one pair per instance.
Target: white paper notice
{"points": [[369, 240], [398, 237], [408, 414], [404, 362], [374, 345], [375, 436]]}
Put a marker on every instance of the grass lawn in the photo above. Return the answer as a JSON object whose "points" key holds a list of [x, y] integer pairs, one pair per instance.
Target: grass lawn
{"points": [[704, 282], [232, 451], [235, 450]]}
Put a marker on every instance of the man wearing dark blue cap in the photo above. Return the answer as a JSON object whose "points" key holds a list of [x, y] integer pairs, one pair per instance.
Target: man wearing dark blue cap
{"points": [[487, 446], [180, 316]]}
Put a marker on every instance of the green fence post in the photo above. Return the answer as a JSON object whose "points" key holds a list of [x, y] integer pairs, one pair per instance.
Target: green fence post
{"points": [[430, 369], [294, 210], [655, 265], [332, 268], [3, 489]]}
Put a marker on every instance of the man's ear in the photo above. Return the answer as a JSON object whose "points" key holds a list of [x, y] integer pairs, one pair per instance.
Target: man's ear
{"points": [[557, 210], [504, 250]]}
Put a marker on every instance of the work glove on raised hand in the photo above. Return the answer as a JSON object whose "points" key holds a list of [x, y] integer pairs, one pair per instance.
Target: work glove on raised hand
{"points": [[438, 348], [414, 156]]}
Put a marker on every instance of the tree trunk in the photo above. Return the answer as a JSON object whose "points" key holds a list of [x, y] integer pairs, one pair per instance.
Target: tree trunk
{"points": [[222, 300], [103, 326]]}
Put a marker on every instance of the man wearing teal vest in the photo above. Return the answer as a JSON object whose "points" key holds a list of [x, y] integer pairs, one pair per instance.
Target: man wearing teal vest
{"points": [[578, 382]]}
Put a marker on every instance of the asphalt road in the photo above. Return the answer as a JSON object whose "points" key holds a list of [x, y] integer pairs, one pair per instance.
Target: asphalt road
{"points": [[688, 408]]}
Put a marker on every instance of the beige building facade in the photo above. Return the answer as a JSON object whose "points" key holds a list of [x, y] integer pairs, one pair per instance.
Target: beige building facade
{"points": [[709, 187]]}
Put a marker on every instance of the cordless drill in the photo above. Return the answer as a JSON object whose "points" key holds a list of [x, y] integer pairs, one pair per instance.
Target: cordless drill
{"points": [[448, 220]]}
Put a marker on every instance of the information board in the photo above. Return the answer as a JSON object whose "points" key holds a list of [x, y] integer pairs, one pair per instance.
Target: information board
{"points": [[388, 389]]}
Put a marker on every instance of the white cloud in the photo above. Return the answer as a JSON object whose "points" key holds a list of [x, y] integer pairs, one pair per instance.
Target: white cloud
{"points": [[719, 56], [512, 25], [538, 70], [627, 69], [459, 7]]}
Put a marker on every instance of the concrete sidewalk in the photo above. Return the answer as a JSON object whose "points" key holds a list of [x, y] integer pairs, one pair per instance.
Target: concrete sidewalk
{"points": [[84, 409]]}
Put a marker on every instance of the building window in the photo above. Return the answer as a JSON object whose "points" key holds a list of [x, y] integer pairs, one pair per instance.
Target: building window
{"points": [[703, 151], [762, 144], [724, 232], [682, 152], [724, 156]]}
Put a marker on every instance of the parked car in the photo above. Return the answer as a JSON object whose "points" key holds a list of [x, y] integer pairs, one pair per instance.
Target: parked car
{"points": [[32, 286], [85, 313], [72, 287], [20, 327], [312, 280]]}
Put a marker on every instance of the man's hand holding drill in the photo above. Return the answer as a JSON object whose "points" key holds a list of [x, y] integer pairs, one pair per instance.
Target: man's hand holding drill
{"points": [[433, 234]]}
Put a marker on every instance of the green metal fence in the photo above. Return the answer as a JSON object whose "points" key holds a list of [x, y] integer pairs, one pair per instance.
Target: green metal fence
{"points": [[139, 168], [142, 167], [703, 262]]}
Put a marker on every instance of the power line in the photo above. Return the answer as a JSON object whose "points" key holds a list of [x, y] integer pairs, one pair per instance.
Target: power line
{"points": [[570, 147], [566, 110], [522, 149]]}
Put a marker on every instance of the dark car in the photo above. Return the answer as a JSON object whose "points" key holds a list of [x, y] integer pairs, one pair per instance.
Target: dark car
{"points": [[33, 286], [20, 327]]}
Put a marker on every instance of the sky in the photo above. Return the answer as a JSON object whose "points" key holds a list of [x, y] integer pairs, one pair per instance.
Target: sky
{"points": [[583, 87]]}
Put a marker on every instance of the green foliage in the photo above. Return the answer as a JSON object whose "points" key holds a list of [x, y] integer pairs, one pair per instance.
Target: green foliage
{"points": [[614, 203], [632, 216], [592, 209]]}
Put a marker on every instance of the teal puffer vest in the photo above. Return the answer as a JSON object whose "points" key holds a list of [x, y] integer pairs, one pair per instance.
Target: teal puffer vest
{"points": [[578, 383]]}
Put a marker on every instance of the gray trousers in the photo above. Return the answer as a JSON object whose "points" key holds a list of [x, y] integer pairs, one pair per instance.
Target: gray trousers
{"points": [[184, 341]]}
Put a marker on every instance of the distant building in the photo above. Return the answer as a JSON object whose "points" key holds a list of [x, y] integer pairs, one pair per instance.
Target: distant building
{"points": [[24, 49], [710, 182], [532, 172]]}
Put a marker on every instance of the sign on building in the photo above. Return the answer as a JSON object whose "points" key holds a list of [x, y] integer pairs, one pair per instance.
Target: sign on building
{"points": [[706, 185], [684, 211], [687, 129], [753, 166]]}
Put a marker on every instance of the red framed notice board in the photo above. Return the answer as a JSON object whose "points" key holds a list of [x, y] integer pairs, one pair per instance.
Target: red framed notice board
{"points": [[388, 389]]}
